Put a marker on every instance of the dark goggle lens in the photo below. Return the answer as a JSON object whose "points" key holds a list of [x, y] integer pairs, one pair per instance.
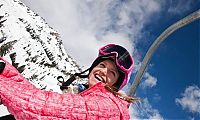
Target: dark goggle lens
{"points": [[123, 58]]}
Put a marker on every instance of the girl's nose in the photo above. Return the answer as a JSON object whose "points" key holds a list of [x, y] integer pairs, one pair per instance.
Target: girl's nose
{"points": [[104, 71]]}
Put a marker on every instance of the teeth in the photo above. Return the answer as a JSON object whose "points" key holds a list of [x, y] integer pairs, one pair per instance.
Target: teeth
{"points": [[98, 78]]}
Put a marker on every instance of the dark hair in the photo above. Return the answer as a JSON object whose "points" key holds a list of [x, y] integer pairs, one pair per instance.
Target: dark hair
{"points": [[121, 95], [120, 80]]}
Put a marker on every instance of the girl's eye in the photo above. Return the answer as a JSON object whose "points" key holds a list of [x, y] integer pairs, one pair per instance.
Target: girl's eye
{"points": [[102, 65], [113, 73]]}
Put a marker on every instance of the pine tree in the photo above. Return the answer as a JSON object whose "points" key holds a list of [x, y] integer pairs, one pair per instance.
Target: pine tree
{"points": [[16, 65], [5, 48]]}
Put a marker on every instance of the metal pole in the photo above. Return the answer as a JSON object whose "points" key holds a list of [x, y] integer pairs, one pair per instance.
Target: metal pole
{"points": [[188, 19]]}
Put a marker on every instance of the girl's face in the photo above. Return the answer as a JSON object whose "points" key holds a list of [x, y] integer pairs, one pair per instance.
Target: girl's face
{"points": [[105, 71]]}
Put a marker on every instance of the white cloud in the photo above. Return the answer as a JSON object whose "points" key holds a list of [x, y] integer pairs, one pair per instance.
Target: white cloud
{"points": [[150, 81], [144, 110], [85, 25], [190, 99], [179, 7]]}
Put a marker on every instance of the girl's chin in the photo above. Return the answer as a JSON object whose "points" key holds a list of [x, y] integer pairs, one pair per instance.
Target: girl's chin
{"points": [[93, 83]]}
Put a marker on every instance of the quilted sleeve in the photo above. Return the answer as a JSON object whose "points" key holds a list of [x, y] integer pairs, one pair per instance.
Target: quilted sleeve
{"points": [[25, 101]]}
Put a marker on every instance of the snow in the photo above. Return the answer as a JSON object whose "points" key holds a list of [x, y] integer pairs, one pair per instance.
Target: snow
{"points": [[37, 46]]}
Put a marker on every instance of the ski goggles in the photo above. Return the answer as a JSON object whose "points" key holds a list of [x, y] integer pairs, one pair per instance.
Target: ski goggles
{"points": [[123, 59]]}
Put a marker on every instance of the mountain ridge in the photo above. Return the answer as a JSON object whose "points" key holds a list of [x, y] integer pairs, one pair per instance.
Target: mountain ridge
{"points": [[33, 47]]}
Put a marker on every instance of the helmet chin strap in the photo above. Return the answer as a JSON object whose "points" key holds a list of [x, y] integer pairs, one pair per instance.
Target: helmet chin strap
{"points": [[72, 78]]}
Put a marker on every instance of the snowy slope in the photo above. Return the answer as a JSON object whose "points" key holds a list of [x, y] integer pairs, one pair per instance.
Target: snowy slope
{"points": [[33, 47]]}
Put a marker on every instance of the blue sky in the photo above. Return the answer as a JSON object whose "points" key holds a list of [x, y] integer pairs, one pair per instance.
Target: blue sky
{"points": [[175, 65], [170, 88]]}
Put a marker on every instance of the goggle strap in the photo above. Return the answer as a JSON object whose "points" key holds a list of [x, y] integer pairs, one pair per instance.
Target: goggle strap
{"points": [[123, 56]]}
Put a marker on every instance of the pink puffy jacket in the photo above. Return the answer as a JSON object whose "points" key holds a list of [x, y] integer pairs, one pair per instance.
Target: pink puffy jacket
{"points": [[26, 102]]}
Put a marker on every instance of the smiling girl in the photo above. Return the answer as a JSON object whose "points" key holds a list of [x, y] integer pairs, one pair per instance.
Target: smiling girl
{"points": [[108, 74]]}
